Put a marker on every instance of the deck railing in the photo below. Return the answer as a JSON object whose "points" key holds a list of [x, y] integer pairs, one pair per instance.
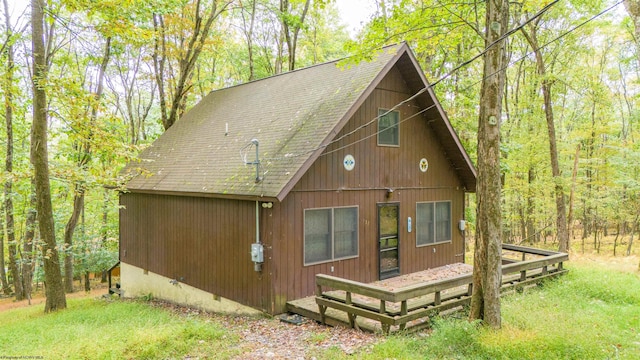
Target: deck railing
{"points": [[400, 307]]}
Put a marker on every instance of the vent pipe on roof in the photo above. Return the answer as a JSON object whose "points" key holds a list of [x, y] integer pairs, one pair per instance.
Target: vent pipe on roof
{"points": [[256, 162]]}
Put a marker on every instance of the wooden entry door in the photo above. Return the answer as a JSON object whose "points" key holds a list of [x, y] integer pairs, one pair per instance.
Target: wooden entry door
{"points": [[388, 240]]}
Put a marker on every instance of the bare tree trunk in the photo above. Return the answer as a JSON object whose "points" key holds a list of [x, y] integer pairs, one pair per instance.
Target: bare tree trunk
{"points": [[105, 224], [186, 63], [574, 175], [248, 34], [54, 289], [27, 245], [487, 267], [78, 204], [633, 231], [3, 273], [615, 241], [561, 213], [8, 185], [531, 229], [292, 29], [87, 282]]}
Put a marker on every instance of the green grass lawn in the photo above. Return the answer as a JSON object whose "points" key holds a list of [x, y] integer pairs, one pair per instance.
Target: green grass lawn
{"points": [[100, 329], [591, 313]]}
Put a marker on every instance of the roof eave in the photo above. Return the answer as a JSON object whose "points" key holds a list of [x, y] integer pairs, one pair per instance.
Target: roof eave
{"points": [[343, 121], [465, 166]]}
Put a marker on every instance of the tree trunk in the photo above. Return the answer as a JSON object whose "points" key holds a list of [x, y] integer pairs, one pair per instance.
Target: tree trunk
{"points": [[633, 231], [561, 212], [54, 289], [105, 224], [186, 63], [615, 241], [531, 228], [487, 274], [27, 245], [574, 175], [69, 229], [291, 32], [6, 289], [7, 85], [248, 34], [79, 187]]}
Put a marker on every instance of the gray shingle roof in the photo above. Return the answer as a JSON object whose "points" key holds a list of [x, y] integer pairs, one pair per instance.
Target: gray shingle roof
{"points": [[291, 115]]}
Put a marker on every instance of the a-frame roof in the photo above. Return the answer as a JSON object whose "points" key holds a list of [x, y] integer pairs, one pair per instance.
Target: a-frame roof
{"points": [[293, 116]]}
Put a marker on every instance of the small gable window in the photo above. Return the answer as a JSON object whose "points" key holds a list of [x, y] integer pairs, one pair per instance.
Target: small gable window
{"points": [[330, 234], [388, 128], [433, 222]]}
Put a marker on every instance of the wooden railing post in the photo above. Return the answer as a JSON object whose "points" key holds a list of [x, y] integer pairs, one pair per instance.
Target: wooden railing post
{"points": [[422, 300], [403, 312]]}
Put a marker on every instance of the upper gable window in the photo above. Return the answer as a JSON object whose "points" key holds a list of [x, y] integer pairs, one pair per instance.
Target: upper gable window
{"points": [[388, 128]]}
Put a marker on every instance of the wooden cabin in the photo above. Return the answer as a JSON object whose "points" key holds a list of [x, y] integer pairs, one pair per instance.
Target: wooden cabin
{"points": [[352, 171]]}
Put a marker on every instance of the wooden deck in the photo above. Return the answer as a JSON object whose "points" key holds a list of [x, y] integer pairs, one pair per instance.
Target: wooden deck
{"points": [[309, 308], [409, 301]]}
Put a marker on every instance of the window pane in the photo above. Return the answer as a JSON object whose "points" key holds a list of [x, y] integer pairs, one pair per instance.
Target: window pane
{"points": [[345, 232], [388, 260], [388, 133], [388, 220], [424, 224], [443, 221], [317, 235]]}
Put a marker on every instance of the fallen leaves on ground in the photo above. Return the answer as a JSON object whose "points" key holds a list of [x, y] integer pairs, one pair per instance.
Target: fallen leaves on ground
{"points": [[271, 338]]}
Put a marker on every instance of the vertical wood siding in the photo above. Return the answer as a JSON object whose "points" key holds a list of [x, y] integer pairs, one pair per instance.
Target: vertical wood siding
{"points": [[206, 242], [378, 168], [198, 241]]}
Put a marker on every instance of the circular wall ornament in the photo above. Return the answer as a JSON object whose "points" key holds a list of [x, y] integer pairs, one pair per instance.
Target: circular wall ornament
{"points": [[349, 162], [424, 165]]}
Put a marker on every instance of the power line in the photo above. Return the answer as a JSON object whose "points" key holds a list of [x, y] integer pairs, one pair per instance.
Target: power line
{"points": [[548, 43], [457, 68]]}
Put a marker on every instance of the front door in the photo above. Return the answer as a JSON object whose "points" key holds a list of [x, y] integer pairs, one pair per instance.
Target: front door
{"points": [[388, 241]]}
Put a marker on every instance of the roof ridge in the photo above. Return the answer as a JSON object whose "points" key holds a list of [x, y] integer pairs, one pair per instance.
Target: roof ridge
{"points": [[299, 69]]}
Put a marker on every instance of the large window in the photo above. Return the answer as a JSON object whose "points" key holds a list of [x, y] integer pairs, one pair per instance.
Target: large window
{"points": [[388, 127], [433, 222], [330, 234]]}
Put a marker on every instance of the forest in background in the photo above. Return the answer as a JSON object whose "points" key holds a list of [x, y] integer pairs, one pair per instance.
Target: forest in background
{"points": [[119, 73]]}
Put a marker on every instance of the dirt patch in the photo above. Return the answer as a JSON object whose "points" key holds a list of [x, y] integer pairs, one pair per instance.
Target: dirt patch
{"points": [[271, 338], [630, 264]]}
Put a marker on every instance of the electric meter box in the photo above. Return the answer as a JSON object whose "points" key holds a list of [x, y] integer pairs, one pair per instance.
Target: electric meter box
{"points": [[257, 253]]}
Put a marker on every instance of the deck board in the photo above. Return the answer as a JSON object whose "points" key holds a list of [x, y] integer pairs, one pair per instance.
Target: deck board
{"points": [[418, 308], [307, 306]]}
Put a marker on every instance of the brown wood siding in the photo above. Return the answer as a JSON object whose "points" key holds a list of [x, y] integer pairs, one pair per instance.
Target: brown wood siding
{"points": [[378, 168], [201, 242], [205, 242]]}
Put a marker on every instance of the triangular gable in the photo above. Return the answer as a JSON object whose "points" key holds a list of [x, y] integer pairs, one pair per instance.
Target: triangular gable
{"points": [[292, 115]]}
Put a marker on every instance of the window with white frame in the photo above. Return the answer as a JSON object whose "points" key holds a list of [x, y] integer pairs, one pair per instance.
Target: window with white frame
{"points": [[433, 222], [330, 234], [388, 127]]}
